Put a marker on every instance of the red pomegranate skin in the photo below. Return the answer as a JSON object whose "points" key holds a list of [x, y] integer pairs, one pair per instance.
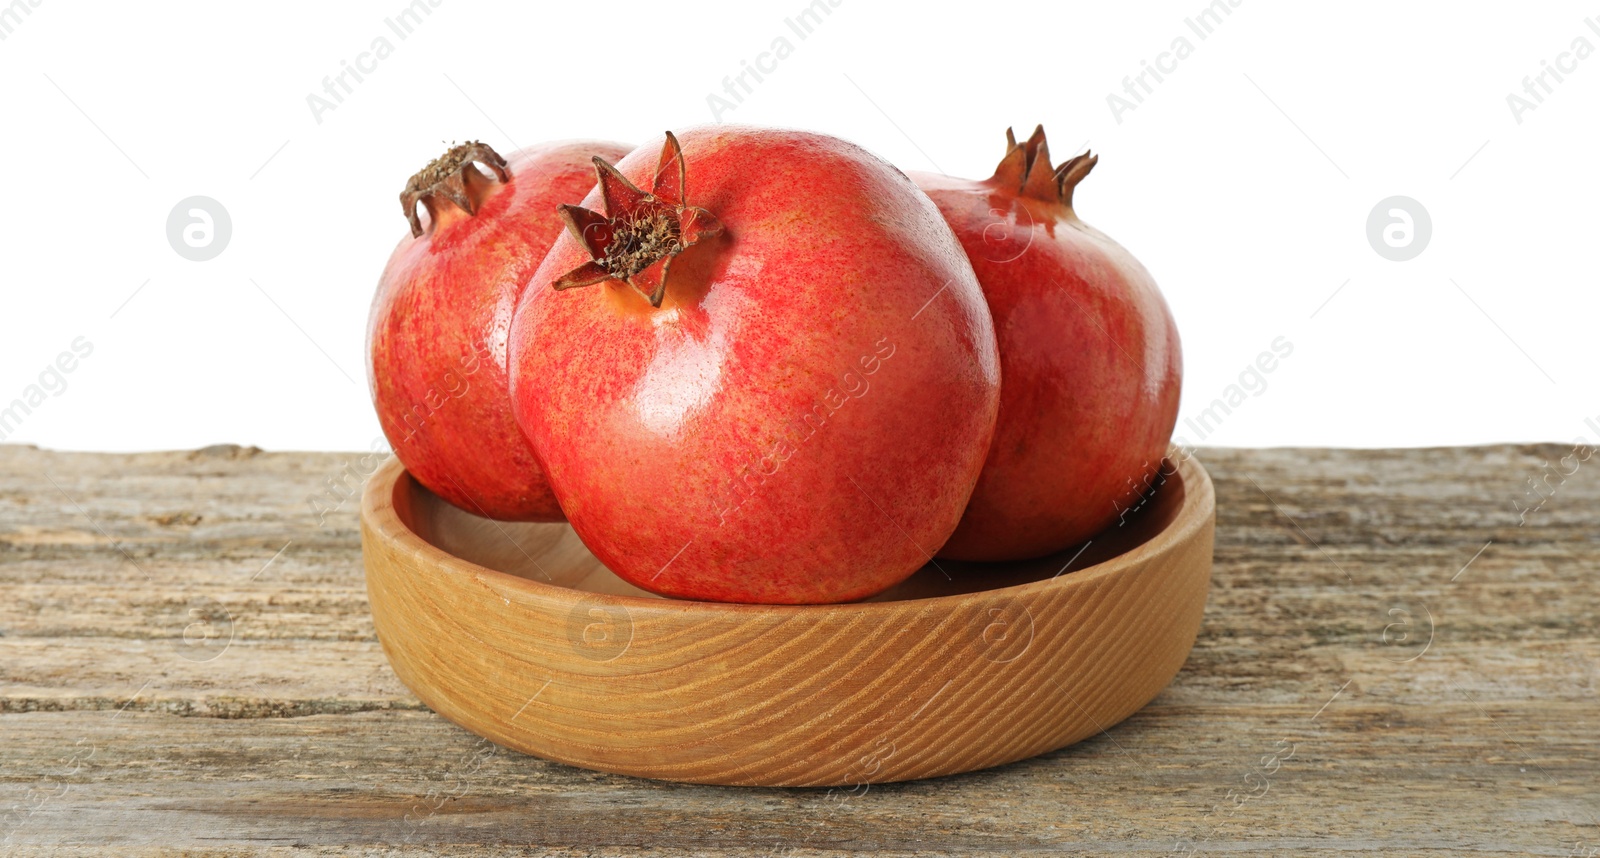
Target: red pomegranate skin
{"points": [[1089, 355], [438, 329], [803, 417]]}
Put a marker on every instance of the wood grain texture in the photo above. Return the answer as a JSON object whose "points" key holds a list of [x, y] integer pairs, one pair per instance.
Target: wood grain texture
{"points": [[1479, 738], [532, 647]]}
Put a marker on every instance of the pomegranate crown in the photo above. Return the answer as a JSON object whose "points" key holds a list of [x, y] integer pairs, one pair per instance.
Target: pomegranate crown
{"points": [[453, 176], [1026, 170], [641, 232]]}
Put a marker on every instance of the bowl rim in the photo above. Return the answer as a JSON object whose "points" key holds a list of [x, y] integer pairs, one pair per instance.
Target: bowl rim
{"points": [[378, 512]]}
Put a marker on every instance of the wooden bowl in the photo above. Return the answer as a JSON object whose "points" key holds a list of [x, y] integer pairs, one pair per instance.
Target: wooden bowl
{"points": [[517, 633]]}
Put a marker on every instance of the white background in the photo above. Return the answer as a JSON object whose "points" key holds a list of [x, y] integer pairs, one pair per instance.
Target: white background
{"points": [[1243, 182]]}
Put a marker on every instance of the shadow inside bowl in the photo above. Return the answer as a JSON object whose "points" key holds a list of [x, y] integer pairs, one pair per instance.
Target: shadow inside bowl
{"points": [[553, 554]]}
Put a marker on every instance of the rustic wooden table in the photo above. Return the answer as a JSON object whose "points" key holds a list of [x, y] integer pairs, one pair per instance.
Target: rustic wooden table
{"points": [[1393, 656]]}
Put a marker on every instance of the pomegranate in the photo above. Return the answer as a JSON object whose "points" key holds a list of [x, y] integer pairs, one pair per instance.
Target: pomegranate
{"points": [[437, 335], [780, 382], [1088, 351]]}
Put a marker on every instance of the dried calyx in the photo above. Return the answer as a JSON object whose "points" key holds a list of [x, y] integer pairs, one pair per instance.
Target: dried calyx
{"points": [[454, 177], [641, 232], [1026, 170]]}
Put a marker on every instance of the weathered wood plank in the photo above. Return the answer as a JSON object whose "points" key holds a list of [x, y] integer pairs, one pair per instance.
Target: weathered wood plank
{"points": [[1359, 775], [1479, 737]]}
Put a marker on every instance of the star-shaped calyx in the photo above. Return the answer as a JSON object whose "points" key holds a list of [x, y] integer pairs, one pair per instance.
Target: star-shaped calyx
{"points": [[640, 233], [452, 177], [1026, 170]]}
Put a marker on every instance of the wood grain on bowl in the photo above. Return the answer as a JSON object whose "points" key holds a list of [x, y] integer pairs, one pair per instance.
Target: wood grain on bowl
{"points": [[517, 633]]}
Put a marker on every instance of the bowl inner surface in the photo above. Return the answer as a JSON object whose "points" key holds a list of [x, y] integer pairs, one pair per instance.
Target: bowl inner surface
{"points": [[553, 554]]}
